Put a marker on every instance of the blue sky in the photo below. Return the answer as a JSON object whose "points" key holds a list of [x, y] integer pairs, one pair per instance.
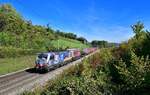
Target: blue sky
{"points": [[93, 19]]}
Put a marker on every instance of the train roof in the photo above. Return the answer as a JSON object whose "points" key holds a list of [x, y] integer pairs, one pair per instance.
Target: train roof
{"points": [[72, 49], [45, 53], [52, 52]]}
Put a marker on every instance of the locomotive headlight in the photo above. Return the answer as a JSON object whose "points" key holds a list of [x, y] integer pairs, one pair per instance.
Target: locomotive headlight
{"points": [[41, 65]]}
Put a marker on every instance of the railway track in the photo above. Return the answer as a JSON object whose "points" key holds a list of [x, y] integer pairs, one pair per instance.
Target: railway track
{"points": [[27, 80], [10, 82]]}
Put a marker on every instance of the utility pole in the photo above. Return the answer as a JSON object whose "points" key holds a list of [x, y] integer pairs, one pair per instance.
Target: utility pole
{"points": [[58, 44]]}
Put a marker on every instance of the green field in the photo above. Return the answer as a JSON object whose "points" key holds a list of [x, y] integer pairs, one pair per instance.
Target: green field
{"points": [[68, 43], [8, 65]]}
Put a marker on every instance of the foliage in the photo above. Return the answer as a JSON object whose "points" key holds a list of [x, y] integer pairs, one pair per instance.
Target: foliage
{"points": [[68, 35], [71, 36], [99, 43], [103, 44], [132, 77], [138, 29], [17, 32], [82, 39], [130, 68], [140, 42]]}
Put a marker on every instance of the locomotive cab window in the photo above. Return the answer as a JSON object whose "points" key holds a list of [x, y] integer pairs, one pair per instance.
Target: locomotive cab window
{"points": [[40, 56], [52, 57]]}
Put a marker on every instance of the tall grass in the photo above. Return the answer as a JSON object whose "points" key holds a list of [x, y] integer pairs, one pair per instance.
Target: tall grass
{"points": [[8, 65]]}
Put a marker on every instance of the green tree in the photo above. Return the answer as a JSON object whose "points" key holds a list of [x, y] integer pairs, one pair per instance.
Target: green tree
{"points": [[138, 29]]}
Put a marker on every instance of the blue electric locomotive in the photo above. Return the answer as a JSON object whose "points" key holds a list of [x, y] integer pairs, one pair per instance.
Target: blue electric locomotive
{"points": [[51, 60], [47, 61]]}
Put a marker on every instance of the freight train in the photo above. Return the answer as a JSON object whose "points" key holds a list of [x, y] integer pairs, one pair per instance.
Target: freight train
{"points": [[47, 61]]}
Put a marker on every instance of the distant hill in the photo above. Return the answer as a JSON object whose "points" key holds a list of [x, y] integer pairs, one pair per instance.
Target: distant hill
{"points": [[21, 35]]}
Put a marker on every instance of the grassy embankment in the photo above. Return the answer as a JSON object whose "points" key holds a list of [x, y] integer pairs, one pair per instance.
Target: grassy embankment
{"points": [[8, 65]]}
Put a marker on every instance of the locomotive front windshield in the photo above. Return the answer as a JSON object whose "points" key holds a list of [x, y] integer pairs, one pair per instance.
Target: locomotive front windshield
{"points": [[40, 56]]}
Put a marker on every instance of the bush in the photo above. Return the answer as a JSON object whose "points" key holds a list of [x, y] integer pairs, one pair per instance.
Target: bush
{"points": [[88, 83], [133, 76]]}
